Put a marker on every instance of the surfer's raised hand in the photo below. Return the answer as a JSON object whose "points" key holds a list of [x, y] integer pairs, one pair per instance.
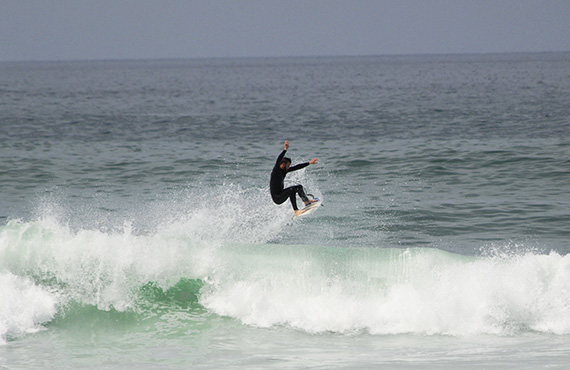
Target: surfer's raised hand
{"points": [[286, 144], [314, 161]]}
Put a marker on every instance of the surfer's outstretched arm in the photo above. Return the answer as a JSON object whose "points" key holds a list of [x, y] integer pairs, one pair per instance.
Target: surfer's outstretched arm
{"points": [[280, 157], [303, 165]]}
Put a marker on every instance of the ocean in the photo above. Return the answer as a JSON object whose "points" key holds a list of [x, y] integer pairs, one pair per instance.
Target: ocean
{"points": [[137, 230]]}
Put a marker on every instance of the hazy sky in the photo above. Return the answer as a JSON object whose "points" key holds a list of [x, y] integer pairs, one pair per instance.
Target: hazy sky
{"points": [[118, 29]]}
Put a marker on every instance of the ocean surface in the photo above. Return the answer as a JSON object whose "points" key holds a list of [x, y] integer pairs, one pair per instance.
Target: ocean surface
{"points": [[137, 230]]}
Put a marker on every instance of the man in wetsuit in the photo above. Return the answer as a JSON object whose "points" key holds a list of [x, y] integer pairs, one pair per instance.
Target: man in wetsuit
{"points": [[280, 170]]}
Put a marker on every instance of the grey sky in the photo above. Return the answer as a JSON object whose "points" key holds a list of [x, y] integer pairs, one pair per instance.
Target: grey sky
{"points": [[118, 29]]}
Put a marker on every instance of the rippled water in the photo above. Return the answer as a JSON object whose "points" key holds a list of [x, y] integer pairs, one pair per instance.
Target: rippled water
{"points": [[137, 224]]}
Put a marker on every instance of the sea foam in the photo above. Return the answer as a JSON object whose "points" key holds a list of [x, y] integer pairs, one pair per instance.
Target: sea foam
{"points": [[106, 267], [24, 306], [241, 274], [418, 291]]}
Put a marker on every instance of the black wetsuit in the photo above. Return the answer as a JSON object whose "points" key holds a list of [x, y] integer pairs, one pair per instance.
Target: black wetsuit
{"points": [[280, 195]]}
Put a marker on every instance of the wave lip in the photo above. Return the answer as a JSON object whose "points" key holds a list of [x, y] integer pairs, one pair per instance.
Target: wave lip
{"points": [[24, 306]]}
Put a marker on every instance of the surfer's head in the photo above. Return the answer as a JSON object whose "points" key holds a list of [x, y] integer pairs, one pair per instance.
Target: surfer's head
{"points": [[285, 163]]}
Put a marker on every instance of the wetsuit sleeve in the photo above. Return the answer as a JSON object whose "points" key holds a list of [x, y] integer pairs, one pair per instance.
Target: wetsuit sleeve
{"points": [[278, 162], [298, 166]]}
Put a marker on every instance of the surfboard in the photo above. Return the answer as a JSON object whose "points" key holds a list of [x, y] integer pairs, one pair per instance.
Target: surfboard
{"points": [[309, 209]]}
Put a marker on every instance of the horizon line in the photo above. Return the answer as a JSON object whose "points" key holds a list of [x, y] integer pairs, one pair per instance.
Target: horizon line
{"points": [[80, 60]]}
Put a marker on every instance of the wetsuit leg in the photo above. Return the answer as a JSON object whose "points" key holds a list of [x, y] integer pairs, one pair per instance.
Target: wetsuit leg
{"points": [[291, 193], [301, 193]]}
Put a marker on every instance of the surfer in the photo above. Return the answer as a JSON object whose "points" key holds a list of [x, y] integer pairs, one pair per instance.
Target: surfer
{"points": [[280, 170]]}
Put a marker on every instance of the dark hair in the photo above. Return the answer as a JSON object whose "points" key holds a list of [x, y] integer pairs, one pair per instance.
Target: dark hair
{"points": [[285, 160]]}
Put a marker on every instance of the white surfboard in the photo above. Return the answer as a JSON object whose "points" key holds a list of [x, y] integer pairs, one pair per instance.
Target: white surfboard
{"points": [[312, 207]]}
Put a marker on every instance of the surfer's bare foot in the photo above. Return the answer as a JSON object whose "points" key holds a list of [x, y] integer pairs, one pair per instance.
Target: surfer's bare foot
{"points": [[299, 212], [310, 201]]}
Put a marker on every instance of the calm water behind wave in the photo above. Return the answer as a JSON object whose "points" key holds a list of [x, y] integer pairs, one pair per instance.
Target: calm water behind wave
{"points": [[414, 148]]}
